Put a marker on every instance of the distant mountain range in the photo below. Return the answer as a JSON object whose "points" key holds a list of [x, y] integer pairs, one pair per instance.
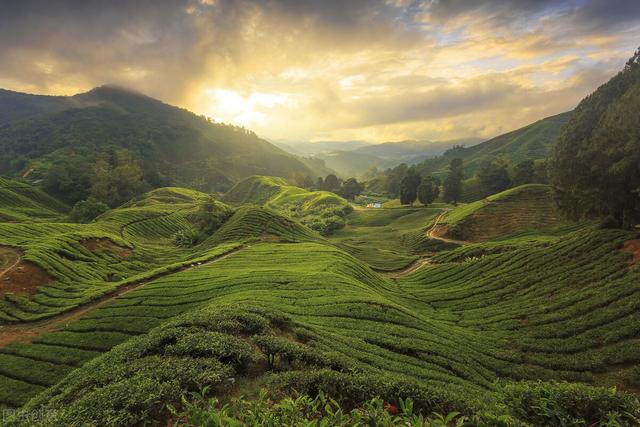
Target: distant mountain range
{"points": [[176, 146], [354, 158]]}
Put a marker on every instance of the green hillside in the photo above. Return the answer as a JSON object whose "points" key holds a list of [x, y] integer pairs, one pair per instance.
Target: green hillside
{"points": [[270, 304], [20, 202], [531, 142], [528, 208], [176, 147], [322, 211]]}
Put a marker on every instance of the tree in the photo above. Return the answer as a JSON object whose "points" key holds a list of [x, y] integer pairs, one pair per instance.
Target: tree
{"points": [[307, 182], [351, 188], [494, 177], [453, 183], [524, 173], [209, 217], [88, 210], [428, 190], [117, 181], [331, 183], [70, 179], [595, 165], [409, 189], [394, 178], [319, 183]]}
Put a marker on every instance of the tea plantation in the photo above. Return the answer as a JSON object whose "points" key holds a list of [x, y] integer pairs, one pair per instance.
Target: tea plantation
{"points": [[531, 325]]}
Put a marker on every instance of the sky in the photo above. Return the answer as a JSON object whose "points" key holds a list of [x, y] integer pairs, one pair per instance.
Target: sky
{"points": [[308, 70]]}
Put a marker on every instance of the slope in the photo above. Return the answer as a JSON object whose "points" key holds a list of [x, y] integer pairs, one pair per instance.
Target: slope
{"points": [[322, 211], [175, 146], [537, 312], [532, 142], [20, 201], [527, 208]]}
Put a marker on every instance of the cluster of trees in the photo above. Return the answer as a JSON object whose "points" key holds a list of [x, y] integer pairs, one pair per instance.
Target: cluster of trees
{"points": [[348, 189], [407, 184], [497, 175], [413, 187], [93, 186], [595, 167]]}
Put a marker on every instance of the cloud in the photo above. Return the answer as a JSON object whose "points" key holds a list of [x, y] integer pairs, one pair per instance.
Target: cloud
{"points": [[360, 69]]}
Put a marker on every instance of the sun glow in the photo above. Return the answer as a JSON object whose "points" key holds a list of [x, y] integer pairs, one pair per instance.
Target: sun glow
{"points": [[230, 106]]}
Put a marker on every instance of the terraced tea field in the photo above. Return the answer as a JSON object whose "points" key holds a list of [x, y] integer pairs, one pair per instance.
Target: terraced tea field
{"points": [[556, 302]]}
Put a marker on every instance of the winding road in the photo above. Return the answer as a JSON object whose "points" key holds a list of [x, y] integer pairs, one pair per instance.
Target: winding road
{"points": [[431, 232]]}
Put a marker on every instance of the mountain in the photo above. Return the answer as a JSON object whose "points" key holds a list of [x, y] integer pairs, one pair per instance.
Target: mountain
{"points": [[532, 142], [411, 149], [354, 158], [175, 146]]}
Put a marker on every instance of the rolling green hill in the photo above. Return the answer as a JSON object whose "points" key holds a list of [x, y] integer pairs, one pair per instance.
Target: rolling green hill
{"points": [[267, 303], [20, 202], [527, 208], [322, 211], [176, 147]]}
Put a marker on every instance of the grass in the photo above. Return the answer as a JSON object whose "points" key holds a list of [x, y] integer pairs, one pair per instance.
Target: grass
{"points": [[386, 239], [557, 305]]}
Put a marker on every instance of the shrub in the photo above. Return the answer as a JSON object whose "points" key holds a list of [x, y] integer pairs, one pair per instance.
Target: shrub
{"points": [[303, 410], [350, 389], [185, 239], [88, 210], [634, 377], [570, 404]]}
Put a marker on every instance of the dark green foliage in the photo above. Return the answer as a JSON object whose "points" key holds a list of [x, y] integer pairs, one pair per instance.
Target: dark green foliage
{"points": [[176, 145], [494, 177], [524, 173], [351, 188], [331, 183], [565, 404], [199, 410], [394, 178], [117, 179], [595, 166], [88, 210], [409, 189], [70, 178], [452, 188], [428, 190], [634, 377], [352, 389], [209, 217]]}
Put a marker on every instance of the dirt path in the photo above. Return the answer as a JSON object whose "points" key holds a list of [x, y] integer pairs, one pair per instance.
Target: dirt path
{"points": [[12, 266], [26, 332], [437, 229], [415, 265], [27, 173]]}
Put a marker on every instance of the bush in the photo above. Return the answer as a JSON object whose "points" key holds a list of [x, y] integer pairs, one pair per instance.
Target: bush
{"points": [[351, 389], [198, 410], [634, 377], [185, 239], [570, 404], [88, 210]]}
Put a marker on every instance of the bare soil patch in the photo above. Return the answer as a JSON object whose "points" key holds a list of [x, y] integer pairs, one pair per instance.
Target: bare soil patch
{"points": [[23, 278], [632, 247], [104, 244]]}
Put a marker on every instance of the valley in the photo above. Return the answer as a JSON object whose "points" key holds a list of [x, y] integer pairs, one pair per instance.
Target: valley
{"points": [[534, 301]]}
